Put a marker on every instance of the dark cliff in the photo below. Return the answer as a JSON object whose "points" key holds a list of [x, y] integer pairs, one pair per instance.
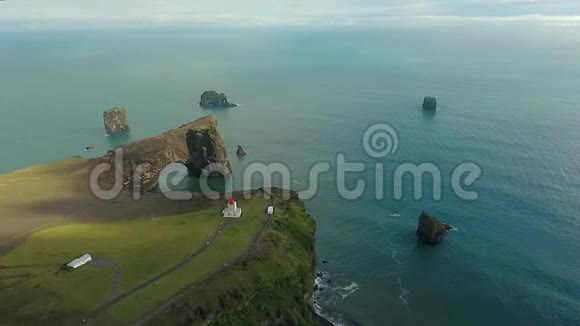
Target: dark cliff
{"points": [[213, 99], [430, 229], [429, 103], [196, 144]]}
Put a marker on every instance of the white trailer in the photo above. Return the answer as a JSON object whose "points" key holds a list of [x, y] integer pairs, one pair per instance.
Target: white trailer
{"points": [[78, 262]]}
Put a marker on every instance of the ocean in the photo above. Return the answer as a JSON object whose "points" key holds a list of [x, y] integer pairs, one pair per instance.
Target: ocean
{"points": [[508, 102]]}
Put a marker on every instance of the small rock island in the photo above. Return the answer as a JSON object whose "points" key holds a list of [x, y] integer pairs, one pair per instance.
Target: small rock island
{"points": [[213, 99], [240, 152], [430, 230], [115, 120], [429, 103]]}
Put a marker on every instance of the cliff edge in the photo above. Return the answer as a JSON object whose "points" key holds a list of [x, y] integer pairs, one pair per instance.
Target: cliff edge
{"points": [[196, 144], [271, 285]]}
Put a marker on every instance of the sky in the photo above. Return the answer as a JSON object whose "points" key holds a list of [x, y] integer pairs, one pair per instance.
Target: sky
{"points": [[106, 13]]}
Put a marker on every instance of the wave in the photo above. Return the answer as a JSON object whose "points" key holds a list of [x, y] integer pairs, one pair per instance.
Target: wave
{"points": [[333, 319], [403, 294], [395, 214], [318, 279], [332, 294], [395, 258], [350, 289]]}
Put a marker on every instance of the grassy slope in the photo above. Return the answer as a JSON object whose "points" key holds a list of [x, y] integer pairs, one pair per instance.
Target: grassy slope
{"points": [[142, 247], [229, 245], [63, 180], [56, 180], [272, 285]]}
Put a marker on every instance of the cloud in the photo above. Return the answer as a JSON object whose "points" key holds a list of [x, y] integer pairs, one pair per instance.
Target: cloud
{"points": [[286, 13]]}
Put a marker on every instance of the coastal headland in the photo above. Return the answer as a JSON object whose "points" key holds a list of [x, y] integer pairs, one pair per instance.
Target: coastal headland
{"points": [[156, 260]]}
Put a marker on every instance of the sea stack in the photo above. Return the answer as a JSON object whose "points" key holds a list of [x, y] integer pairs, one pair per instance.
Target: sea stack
{"points": [[196, 145], [430, 229], [213, 99], [429, 103], [241, 151], [115, 121]]}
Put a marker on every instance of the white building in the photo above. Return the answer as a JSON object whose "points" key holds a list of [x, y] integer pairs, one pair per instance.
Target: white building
{"points": [[270, 210], [232, 209], [78, 262]]}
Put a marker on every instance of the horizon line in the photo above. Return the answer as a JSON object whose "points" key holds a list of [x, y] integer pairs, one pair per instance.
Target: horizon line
{"points": [[228, 20]]}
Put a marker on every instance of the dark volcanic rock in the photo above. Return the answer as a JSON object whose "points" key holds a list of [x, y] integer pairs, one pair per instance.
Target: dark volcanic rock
{"points": [[429, 103], [115, 120], [241, 151], [211, 99], [430, 229], [195, 144]]}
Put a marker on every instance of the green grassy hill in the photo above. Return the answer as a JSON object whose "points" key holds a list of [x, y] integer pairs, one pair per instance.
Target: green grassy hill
{"points": [[271, 285], [172, 262]]}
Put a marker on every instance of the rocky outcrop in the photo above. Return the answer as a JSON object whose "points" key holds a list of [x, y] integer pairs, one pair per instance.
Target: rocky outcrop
{"points": [[213, 99], [241, 151], [196, 144], [430, 229], [429, 103], [115, 120]]}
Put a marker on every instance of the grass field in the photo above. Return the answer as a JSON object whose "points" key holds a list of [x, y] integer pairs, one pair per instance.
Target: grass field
{"points": [[271, 285], [23, 190], [229, 245], [34, 288], [48, 217]]}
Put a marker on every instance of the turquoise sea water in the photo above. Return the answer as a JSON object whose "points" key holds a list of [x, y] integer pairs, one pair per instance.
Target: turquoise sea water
{"points": [[508, 101]]}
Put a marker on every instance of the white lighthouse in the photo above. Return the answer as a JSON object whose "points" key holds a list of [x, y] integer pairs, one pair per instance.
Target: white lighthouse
{"points": [[232, 209]]}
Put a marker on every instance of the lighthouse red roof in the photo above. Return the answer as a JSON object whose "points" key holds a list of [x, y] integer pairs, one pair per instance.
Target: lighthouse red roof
{"points": [[232, 201]]}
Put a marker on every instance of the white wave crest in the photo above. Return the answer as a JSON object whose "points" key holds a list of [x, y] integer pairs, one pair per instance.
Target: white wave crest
{"points": [[350, 289], [394, 256], [403, 294]]}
